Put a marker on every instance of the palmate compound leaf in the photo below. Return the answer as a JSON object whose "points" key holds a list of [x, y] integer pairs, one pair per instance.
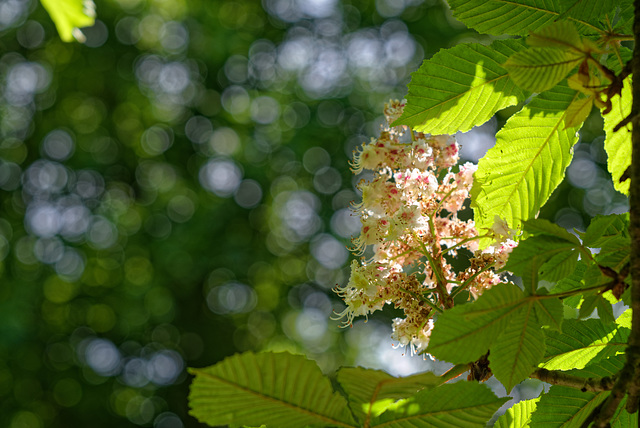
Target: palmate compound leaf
{"points": [[370, 392], [518, 415], [517, 176], [604, 227], [276, 389], [583, 342], [618, 144], [516, 18], [69, 16], [460, 404], [465, 333], [460, 88], [518, 349]]}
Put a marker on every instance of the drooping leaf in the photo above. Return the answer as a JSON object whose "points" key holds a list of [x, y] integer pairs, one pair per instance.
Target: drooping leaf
{"points": [[463, 334], [518, 415], [581, 343], [603, 227], [560, 34], [370, 392], [564, 407], [510, 17], [517, 176], [617, 144], [460, 88], [578, 111], [69, 16], [276, 389], [553, 257], [518, 350], [614, 252], [540, 69], [460, 404], [545, 227]]}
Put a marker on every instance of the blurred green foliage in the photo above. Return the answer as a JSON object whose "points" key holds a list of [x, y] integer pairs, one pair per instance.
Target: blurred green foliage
{"points": [[176, 189]]}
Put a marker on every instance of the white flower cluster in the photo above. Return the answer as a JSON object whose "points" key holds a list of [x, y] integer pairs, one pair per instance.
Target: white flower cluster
{"points": [[409, 213]]}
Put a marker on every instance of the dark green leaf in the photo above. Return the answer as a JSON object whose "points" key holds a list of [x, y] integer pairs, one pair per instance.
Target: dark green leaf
{"points": [[518, 350], [463, 334], [565, 407]]}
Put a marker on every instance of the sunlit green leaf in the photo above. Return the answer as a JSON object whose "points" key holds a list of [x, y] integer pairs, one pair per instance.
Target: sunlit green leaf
{"points": [[618, 143], [460, 404], [282, 390], [532, 151], [69, 16], [460, 88], [581, 343], [518, 415]]}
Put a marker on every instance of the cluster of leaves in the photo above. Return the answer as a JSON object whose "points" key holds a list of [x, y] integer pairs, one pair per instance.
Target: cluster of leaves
{"points": [[571, 61]]}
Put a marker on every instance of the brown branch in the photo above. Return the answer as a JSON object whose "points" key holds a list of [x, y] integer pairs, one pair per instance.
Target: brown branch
{"points": [[583, 384]]}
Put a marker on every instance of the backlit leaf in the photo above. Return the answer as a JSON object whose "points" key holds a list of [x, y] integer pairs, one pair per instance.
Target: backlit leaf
{"points": [[282, 390], [618, 143], [540, 69], [460, 88], [69, 16]]}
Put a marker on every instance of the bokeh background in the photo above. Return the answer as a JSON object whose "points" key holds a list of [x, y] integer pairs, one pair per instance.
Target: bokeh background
{"points": [[176, 190]]}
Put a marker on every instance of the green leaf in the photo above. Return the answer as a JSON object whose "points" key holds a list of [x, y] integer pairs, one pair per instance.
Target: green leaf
{"points": [[560, 34], [581, 343], [463, 334], [517, 176], [602, 228], [509, 17], [545, 227], [614, 252], [554, 257], [618, 144], [370, 392], [565, 407], [460, 88], [625, 20], [592, 11], [518, 415], [549, 312], [572, 282], [624, 320], [578, 111], [282, 390], [460, 404], [69, 16], [540, 69], [518, 350]]}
